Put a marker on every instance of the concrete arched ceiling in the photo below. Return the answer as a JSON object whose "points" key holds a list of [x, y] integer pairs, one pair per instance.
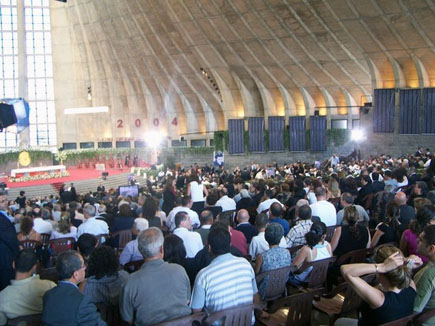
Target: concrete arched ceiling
{"points": [[258, 57]]}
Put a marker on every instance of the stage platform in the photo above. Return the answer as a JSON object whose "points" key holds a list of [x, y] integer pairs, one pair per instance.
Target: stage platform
{"points": [[84, 180]]}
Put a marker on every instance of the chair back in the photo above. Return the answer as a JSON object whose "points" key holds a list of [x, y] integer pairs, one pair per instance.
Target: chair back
{"points": [[45, 238], [299, 313], [49, 274], [236, 316], [423, 317], [276, 281], [405, 321], [100, 238], [352, 301], [133, 266], [330, 232], [29, 320], [62, 244], [109, 313], [190, 320], [318, 274], [353, 257], [124, 237], [30, 244], [228, 215]]}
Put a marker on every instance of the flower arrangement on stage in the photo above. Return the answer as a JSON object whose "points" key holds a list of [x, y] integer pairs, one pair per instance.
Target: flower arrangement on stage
{"points": [[42, 176]]}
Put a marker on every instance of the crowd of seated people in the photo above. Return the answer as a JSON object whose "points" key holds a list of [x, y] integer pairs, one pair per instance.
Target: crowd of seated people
{"points": [[189, 227]]}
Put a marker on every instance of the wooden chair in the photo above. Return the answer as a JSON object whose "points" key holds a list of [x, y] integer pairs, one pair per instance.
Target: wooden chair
{"points": [[276, 281], [330, 230], [124, 237], [133, 266], [353, 257], [45, 238], [405, 321], [30, 244], [29, 320], [100, 238], [317, 277], [190, 320], [228, 215], [49, 274], [423, 317], [342, 300], [294, 310], [110, 314], [236, 316], [60, 245]]}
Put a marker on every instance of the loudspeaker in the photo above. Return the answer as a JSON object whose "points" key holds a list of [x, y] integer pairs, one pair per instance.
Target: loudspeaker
{"points": [[7, 116], [181, 138], [316, 113], [364, 109]]}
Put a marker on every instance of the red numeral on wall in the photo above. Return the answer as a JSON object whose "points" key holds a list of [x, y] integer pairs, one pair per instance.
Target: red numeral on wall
{"points": [[137, 123], [119, 124]]}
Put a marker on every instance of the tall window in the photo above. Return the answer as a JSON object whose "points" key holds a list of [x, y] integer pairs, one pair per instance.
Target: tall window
{"points": [[8, 62], [40, 72], [39, 68]]}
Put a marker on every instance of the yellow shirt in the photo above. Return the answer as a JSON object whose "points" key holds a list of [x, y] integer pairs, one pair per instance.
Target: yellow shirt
{"points": [[23, 297]]}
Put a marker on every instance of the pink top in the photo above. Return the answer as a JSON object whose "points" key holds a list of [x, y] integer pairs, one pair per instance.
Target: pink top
{"points": [[412, 240]]}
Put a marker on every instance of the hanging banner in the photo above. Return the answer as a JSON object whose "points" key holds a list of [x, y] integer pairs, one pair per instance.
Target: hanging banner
{"points": [[218, 158]]}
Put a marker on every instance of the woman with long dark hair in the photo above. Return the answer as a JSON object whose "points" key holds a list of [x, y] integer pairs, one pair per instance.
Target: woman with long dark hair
{"points": [[388, 231], [351, 235], [169, 194]]}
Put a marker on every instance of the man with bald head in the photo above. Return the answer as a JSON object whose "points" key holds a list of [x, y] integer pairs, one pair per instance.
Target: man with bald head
{"points": [[244, 226], [407, 213]]}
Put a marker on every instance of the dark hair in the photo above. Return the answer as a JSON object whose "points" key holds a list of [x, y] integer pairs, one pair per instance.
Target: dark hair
{"points": [[429, 232], [423, 186], [22, 192], [212, 199], [186, 200], [318, 229], [273, 234], [347, 198], [149, 208], [102, 262], [375, 176], [424, 215], [25, 260], [367, 179], [174, 250], [351, 216], [86, 244], [125, 210], [180, 217], [261, 221], [219, 239], [275, 210], [304, 212], [26, 225], [392, 211], [67, 263]]}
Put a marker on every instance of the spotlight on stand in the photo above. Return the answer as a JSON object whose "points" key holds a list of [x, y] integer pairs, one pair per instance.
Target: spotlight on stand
{"points": [[14, 115]]}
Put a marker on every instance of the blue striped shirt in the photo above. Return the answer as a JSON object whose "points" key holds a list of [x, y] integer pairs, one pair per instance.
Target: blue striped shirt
{"points": [[227, 282]]}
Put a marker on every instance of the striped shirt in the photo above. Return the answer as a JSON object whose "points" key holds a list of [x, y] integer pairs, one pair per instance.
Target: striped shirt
{"points": [[227, 282]]}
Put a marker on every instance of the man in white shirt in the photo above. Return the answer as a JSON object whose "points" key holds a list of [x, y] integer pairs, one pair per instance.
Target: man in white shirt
{"points": [[39, 225], [77, 215], [192, 240], [186, 204], [92, 225], [259, 244], [323, 209], [265, 205], [227, 203]]}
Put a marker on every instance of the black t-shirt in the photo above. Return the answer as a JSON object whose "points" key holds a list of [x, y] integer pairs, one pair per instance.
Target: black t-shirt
{"points": [[389, 233], [396, 306], [349, 243]]}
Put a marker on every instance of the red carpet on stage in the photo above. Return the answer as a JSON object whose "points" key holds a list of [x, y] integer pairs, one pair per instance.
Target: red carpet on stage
{"points": [[75, 174]]}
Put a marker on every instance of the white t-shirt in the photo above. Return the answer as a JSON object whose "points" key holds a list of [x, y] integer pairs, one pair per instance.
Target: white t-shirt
{"points": [[325, 211], [196, 191], [266, 204], [41, 226]]}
